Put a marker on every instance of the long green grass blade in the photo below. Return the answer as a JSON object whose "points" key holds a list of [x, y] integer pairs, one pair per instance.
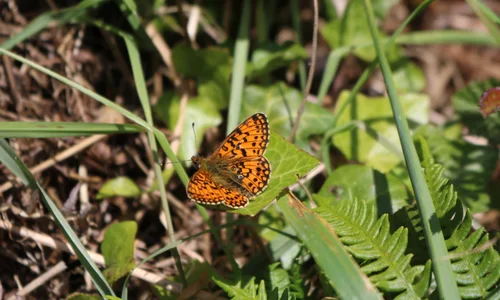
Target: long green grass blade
{"points": [[75, 13], [128, 114], [238, 75], [487, 17], [62, 129], [9, 158], [294, 6], [337, 55], [445, 278], [328, 251], [144, 98], [241, 50]]}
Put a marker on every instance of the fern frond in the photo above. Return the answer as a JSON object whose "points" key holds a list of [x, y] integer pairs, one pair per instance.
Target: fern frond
{"points": [[476, 267], [249, 290], [380, 253]]}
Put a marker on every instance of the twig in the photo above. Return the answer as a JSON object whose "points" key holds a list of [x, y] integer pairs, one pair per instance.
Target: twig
{"points": [[50, 242], [291, 138], [59, 157], [192, 25], [165, 52], [40, 280], [320, 168], [12, 83]]}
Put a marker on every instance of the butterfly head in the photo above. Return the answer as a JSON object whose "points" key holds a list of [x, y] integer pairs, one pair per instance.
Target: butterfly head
{"points": [[196, 161]]}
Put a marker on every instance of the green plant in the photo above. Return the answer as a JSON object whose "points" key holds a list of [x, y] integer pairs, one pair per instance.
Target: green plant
{"points": [[399, 226]]}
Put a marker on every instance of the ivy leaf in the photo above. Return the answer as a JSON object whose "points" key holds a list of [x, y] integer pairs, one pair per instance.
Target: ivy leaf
{"points": [[288, 163], [200, 110], [270, 57], [280, 103], [210, 68], [353, 30], [408, 77], [375, 141], [382, 7], [118, 249], [385, 191], [282, 246], [119, 186]]}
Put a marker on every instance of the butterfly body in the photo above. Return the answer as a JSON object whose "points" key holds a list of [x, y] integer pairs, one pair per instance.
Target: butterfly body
{"points": [[237, 171]]}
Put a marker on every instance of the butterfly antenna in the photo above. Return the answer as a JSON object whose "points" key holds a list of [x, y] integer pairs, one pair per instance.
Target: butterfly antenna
{"points": [[195, 140]]}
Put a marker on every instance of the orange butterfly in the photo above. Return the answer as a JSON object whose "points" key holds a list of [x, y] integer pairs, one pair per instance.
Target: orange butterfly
{"points": [[237, 171]]}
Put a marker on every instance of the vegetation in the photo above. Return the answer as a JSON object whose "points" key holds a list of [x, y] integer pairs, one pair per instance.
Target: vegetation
{"points": [[383, 149]]}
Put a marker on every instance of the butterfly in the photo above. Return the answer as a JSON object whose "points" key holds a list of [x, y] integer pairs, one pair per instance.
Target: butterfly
{"points": [[237, 171]]}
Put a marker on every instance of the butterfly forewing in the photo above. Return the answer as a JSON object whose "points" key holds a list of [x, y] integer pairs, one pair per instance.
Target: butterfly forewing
{"points": [[249, 139]]}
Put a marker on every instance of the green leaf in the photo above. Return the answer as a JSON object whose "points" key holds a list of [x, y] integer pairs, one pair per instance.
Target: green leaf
{"points": [[288, 163], [408, 77], [280, 103], [469, 167], [271, 222], [282, 246], [196, 272], [465, 102], [211, 69], [270, 57], [119, 186], [82, 296], [375, 141], [381, 253], [385, 191], [351, 30], [200, 111], [162, 293], [327, 250], [118, 249], [382, 7]]}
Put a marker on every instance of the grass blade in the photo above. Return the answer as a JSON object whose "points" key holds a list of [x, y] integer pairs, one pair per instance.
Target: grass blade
{"points": [[9, 158], [445, 278], [144, 98], [240, 59], [328, 251], [62, 129]]}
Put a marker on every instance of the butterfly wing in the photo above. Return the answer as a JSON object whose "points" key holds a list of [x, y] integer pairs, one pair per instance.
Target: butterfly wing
{"points": [[249, 139], [242, 171], [203, 189], [252, 173], [234, 199]]}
